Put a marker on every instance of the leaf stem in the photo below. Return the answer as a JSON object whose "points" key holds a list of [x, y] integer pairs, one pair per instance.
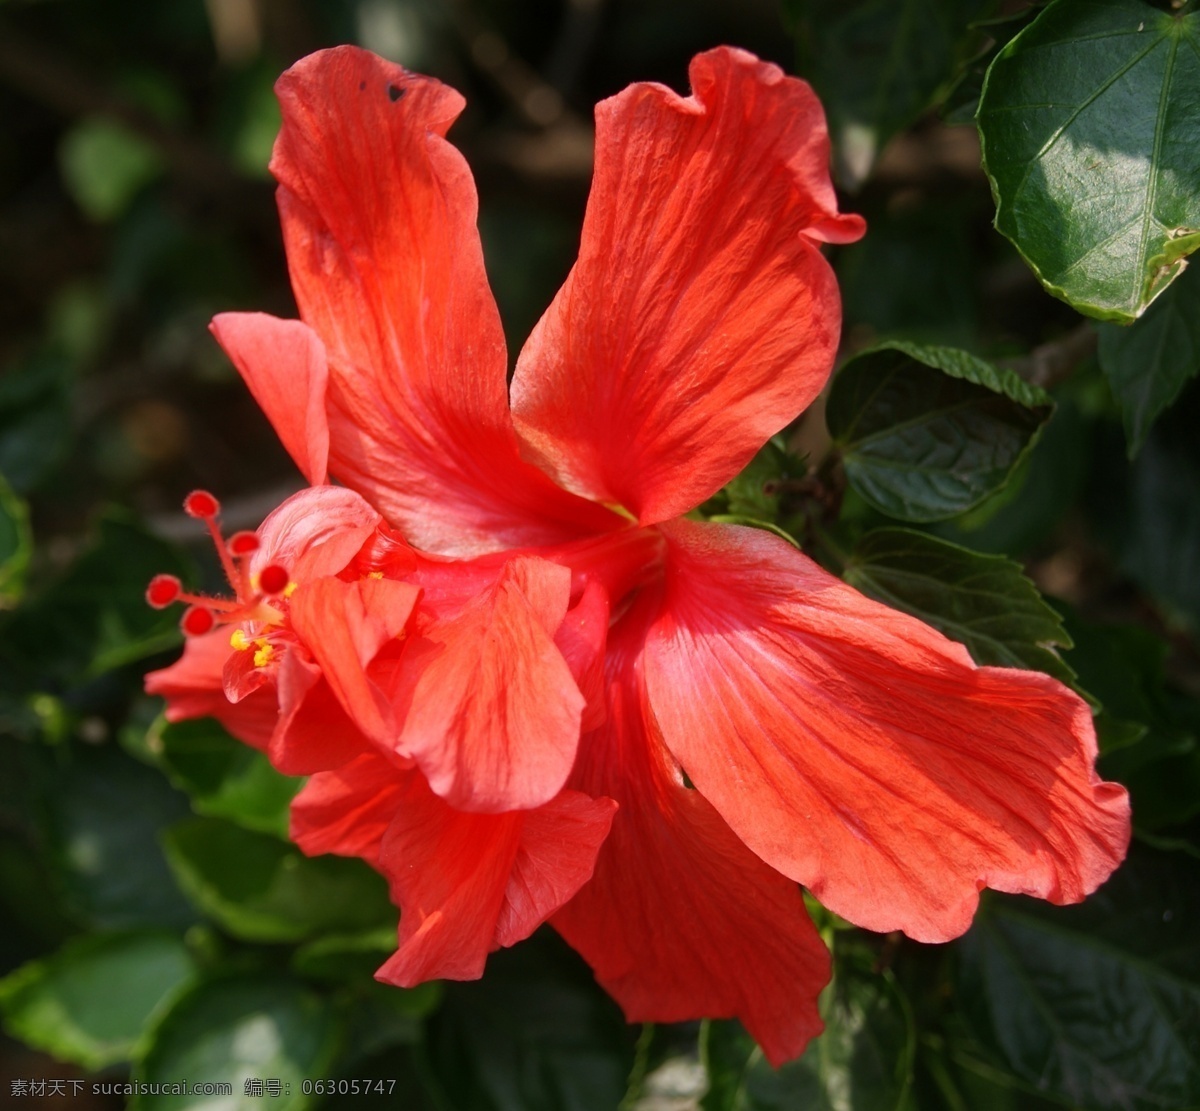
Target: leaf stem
{"points": [[641, 1062]]}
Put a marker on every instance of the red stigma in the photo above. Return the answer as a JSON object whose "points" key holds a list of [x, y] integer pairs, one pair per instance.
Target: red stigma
{"points": [[163, 590], [205, 612], [243, 543], [200, 503], [197, 621], [273, 579]]}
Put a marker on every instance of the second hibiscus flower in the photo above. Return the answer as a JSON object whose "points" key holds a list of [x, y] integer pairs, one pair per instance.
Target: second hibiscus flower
{"points": [[525, 685]]}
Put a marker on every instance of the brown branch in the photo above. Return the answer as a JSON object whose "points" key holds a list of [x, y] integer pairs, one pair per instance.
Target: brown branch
{"points": [[537, 102], [1051, 363]]}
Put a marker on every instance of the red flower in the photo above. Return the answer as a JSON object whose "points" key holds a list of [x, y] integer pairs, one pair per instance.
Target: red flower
{"points": [[759, 724]]}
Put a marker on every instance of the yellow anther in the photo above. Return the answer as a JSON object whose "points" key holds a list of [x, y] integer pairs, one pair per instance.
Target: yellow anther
{"points": [[263, 655], [239, 640], [374, 574], [290, 589]]}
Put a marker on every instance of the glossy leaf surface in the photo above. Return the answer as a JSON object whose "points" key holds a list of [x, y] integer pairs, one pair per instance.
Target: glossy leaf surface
{"points": [[90, 1002], [1092, 143], [231, 1031], [1148, 362], [536, 1034], [928, 432], [223, 777], [1097, 1004], [262, 889], [983, 601]]}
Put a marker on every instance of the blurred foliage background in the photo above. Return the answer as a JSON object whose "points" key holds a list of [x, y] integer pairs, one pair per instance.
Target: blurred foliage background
{"points": [[152, 912]]}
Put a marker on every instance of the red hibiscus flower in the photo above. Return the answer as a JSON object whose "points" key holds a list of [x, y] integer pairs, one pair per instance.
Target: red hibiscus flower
{"points": [[528, 630]]}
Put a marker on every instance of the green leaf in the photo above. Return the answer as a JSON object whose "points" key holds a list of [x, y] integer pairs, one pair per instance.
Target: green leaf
{"points": [[1092, 145], [877, 65], [259, 888], [110, 810], [1147, 743], [755, 492], [535, 1034], [91, 1001], [228, 1032], [1097, 1004], [224, 777], [1043, 487], [378, 1016], [928, 432], [35, 419], [346, 957], [862, 1062], [982, 601], [1124, 666], [1148, 362], [1148, 512], [962, 101], [16, 544], [95, 617], [105, 165]]}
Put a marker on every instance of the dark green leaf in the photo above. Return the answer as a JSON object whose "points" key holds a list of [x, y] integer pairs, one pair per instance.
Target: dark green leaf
{"points": [[1148, 362], [1092, 144], [1149, 512], [228, 1032], [928, 432], [1097, 1004], [1044, 486], [16, 543], [379, 1015], [1124, 667], [863, 1061], [1147, 739], [535, 1034], [756, 491], [225, 778], [35, 423], [982, 601], [878, 64], [259, 888], [95, 617], [110, 811], [962, 101], [346, 957], [90, 1002], [966, 1083]]}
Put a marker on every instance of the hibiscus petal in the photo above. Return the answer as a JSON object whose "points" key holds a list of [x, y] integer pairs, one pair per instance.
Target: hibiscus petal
{"points": [[864, 754], [379, 222], [348, 810], [700, 318], [315, 532], [194, 688], [345, 625], [581, 639], [283, 362], [489, 706], [468, 884], [681, 920], [314, 732]]}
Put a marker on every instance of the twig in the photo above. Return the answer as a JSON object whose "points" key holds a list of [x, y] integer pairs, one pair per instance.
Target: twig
{"points": [[536, 102], [1055, 362]]}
